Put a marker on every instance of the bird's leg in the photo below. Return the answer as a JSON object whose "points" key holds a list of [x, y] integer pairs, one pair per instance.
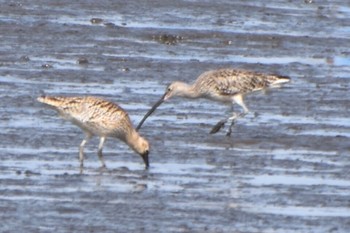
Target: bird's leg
{"points": [[81, 149], [239, 100], [236, 99], [218, 126], [100, 155], [232, 121], [222, 123]]}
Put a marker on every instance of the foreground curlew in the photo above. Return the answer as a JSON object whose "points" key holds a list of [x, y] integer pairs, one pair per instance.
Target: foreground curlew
{"points": [[223, 85], [99, 117]]}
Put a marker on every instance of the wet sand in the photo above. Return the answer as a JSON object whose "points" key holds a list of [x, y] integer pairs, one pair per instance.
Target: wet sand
{"points": [[284, 169]]}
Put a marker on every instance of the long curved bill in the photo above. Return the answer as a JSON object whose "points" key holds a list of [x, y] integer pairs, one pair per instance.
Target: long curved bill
{"points": [[155, 106]]}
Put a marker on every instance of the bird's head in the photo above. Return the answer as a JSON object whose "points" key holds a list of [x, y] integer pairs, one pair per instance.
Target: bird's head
{"points": [[175, 89], [142, 148]]}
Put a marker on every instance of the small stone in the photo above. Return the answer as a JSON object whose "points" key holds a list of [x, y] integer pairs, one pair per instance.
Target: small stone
{"points": [[168, 39], [110, 25], [125, 69], [46, 66], [83, 61], [25, 58], [96, 20]]}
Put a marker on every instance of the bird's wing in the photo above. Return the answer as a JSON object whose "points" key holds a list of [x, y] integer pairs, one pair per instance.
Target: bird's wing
{"points": [[97, 110], [231, 82], [102, 116], [67, 107], [91, 110]]}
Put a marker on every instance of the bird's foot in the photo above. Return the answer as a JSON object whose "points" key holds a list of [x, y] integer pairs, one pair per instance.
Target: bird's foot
{"points": [[232, 123], [218, 126], [236, 115], [229, 131], [242, 114]]}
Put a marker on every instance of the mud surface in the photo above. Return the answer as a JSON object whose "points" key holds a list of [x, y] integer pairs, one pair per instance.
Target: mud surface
{"points": [[285, 169]]}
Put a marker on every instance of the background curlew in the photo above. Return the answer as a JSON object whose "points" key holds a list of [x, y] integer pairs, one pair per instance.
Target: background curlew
{"points": [[99, 117], [223, 85]]}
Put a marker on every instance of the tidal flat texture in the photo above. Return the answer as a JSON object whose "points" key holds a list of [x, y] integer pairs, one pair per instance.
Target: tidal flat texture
{"points": [[285, 169]]}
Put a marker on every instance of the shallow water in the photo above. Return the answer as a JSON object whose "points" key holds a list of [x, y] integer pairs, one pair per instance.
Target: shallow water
{"points": [[285, 168]]}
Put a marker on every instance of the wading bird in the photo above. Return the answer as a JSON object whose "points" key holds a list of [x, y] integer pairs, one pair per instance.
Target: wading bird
{"points": [[223, 85], [99, 117]]}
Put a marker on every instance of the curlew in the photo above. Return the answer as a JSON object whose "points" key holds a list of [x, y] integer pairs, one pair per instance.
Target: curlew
{"points": [[99, 117], [223, 85]]}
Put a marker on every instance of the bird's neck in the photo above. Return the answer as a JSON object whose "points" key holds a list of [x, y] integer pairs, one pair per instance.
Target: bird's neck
{"points": [[132, 138], [188, 91]]}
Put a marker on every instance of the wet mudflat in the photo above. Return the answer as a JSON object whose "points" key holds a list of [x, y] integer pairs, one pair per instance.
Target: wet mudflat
{"points": [[284, 169]]}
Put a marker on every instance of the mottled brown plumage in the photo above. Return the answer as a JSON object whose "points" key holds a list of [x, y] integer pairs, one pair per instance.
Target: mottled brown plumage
{"points": [[96, 116], [224, 85]]}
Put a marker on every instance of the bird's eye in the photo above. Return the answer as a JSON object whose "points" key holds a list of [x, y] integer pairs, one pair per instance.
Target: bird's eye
{"points": [[169, 89]]}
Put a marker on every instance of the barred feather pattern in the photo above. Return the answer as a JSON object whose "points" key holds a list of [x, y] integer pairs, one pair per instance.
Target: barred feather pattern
{"points": [[99, 117], [223, 85], [229, 82], [94, 115]]}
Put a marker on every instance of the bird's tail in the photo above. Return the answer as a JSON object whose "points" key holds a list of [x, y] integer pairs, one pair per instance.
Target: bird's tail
{"points": [[50, 100], [276, 80]]}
